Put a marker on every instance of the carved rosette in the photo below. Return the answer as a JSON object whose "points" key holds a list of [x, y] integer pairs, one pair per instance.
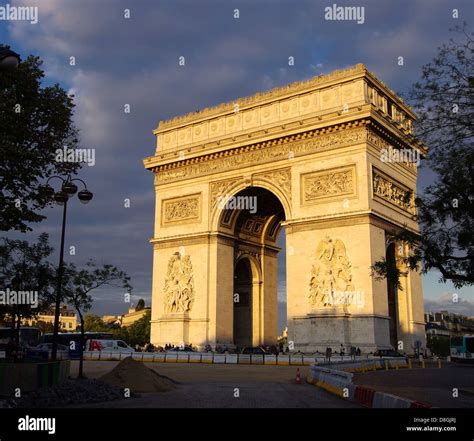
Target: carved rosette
{"points": [[179, 284], [330, 273]]}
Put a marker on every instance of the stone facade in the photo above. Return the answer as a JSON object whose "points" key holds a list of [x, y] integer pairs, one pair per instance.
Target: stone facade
{"points": [[310, 154]]}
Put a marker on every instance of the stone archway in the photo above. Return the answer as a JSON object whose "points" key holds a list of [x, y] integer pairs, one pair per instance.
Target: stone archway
{"points": [[252, 219], [314, 153], [243, 299]]}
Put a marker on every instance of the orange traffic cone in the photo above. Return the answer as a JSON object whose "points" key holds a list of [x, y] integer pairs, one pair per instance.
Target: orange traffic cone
{"points": [[298, 377]]}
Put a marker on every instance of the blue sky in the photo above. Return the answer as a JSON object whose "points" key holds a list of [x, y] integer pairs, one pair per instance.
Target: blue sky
{"points": [[135, 61]]}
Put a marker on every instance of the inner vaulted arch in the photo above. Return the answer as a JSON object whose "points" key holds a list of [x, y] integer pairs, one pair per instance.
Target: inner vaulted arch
{"points": [[253, 217]]}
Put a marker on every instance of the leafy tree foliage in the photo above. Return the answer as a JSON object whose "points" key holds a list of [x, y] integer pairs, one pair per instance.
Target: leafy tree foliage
{"points": [[24, 267], [443, 100], [79, 283], [35, 121]]}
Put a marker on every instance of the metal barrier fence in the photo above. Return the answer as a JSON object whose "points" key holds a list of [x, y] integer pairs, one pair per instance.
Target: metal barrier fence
{"points": [[205, 357]]}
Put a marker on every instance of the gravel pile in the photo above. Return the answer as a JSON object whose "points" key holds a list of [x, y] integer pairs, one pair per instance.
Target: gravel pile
{"points": [[70, 392], [137, 377]]}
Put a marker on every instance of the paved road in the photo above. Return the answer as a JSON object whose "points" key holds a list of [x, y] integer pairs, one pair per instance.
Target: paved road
{"points": [[213, 385], [196, 372], [431, 385]]}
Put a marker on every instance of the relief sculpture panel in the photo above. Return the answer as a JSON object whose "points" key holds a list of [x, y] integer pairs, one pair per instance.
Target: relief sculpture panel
{"points": [[324, 184], [183, 209], [179, 284], [330, 273]]}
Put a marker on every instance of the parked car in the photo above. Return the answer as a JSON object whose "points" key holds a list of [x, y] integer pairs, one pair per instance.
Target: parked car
{"points": [[49, 347], [257, 350], [181, 349], [43, 351], [389, 353]]}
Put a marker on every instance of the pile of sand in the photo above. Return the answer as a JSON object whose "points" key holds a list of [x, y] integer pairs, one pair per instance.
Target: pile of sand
{"points": [[135, 376]]}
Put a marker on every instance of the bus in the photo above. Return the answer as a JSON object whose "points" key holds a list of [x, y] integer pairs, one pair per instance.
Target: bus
{"points": [[29, 336], [462, 349]]}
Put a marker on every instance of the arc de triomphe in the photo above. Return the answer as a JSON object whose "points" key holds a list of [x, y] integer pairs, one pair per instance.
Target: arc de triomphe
{"points": [[311, 156]]}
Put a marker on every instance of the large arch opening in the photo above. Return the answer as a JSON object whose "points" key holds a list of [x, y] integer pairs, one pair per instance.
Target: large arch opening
{"points": [[243, 304], [253, 217], [392, 291]]}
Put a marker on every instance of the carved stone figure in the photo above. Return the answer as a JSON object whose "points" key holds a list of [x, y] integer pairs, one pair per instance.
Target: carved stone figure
{"points": [[331, 272], [393, 193], [182, 209], [328, 184], [179, 284]]}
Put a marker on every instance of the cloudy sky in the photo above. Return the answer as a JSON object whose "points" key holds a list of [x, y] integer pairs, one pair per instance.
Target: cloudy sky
{"points": [[135, 61]]}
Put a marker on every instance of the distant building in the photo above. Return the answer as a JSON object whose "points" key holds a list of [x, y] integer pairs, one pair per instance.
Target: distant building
{"points": [[444, 323], [127, 319], [133, 315], [67, 318], [436, 330], [112, 319]]}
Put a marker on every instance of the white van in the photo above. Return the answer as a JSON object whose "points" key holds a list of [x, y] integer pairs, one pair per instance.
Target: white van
{"points": [[108, 346]]}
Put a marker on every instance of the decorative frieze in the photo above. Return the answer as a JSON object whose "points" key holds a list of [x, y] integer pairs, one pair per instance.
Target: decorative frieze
{"points": [[328, 183], [182, 209], [262, 153], [392, 192]]}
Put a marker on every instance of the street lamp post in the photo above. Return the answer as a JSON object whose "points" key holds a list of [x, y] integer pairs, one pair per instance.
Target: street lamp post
{"points": [[68, 189], [9, 59]]}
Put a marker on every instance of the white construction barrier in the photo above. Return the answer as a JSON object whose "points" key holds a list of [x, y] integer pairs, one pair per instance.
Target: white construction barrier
{"points": [[93, 355], [231, 359], [257, 359], [283, 360], [147, 356], [183, 357], [296, 359], [171, 358], [244, 359], [219, 359], [269, 359], [195, 358], [207, 358], [159, 357]]}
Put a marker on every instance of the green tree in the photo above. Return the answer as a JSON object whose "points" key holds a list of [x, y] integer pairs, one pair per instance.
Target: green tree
{"points": [[24, 268], [438, 345], [443, 100], [78, 285], [93, 323], [44, 327], [35, 122], [139, 332]]}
